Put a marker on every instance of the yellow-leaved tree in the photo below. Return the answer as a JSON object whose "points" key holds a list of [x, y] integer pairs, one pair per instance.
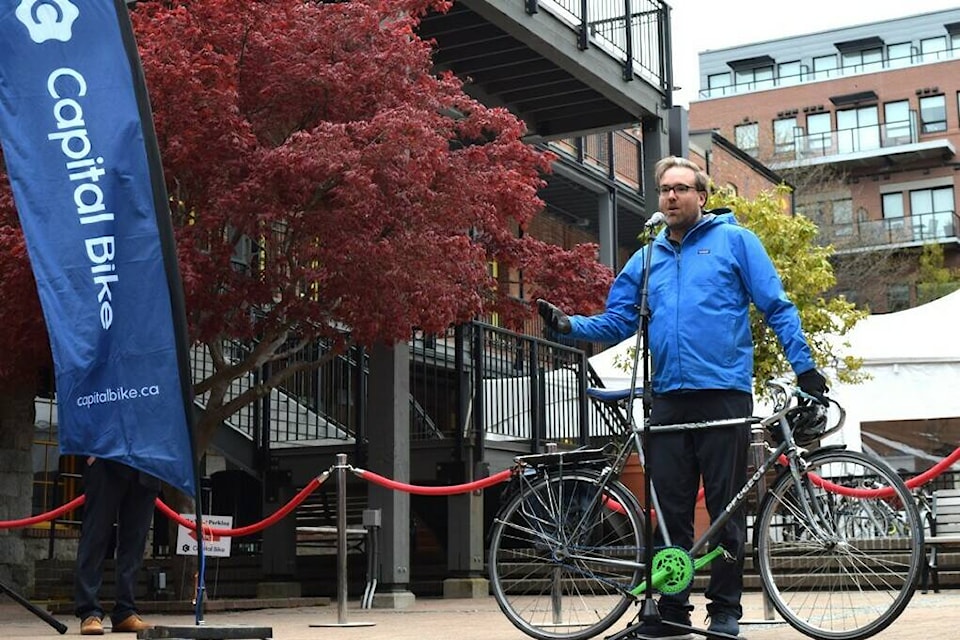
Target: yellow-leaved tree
{"points": [[807, 273]]}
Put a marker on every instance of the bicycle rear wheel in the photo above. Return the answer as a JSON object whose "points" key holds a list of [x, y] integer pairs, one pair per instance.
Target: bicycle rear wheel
{"points": [[563, 555], [840, 550]]}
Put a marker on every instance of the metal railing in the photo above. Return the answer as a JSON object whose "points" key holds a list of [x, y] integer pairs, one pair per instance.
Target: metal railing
{"points": [[839, 142], [473, 381], [913, 230], [807, 75], [635, 32]]}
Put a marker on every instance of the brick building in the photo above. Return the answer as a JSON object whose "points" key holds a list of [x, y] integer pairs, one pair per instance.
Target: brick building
{"points": [[864, 122]]}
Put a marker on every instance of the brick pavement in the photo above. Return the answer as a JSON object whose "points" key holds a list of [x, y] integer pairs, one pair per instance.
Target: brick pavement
{"points": [[928, 617]]}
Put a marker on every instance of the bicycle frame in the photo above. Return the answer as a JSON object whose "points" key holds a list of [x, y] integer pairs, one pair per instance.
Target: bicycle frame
{"points": [[786, 450]]}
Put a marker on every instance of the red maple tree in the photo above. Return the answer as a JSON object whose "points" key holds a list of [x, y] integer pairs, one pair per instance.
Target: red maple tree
{"points": [[325, 181]]}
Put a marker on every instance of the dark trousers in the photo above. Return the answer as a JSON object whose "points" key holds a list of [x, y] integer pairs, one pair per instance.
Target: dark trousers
{"points": [[115, 493], [677, 461]]}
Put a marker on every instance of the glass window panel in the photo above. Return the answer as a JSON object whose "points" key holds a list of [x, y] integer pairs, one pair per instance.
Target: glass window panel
{"points": [[718, 83], [850, 60], [784, 135], [892, 205], [818, 132], [932, 49], [747, 137], [824, 67], [789, 73], [763, 77], [873, 59], [898, 55], [896, 118], [933, 114]]}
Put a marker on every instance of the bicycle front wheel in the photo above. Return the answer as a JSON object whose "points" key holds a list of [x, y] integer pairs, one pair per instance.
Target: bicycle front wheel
{"points": [[564, 552], [840, 546]]}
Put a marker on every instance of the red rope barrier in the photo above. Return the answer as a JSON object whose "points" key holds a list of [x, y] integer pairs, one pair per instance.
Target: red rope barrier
{"points": [[43, 517], [434, 491], [483, 483], [249, 529]]}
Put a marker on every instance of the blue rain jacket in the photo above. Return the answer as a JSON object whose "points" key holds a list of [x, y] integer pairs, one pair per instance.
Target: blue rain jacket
{"points": [[699, 295]]}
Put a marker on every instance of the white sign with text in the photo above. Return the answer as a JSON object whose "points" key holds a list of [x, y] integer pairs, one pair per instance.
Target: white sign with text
{"points": [[214, 546]]}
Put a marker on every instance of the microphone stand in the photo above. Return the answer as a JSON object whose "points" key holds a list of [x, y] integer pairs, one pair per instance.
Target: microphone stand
{"points": [[648, 610]]}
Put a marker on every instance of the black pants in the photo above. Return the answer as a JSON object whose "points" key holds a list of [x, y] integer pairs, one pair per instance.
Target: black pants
{"points": [[676, 462], [115, 493]]}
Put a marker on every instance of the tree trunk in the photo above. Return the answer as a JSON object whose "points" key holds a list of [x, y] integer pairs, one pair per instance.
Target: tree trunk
{"points": [[17, 417]]}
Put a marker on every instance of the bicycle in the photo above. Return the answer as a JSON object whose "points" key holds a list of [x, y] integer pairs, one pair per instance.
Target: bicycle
{"points": [[567, 550]]}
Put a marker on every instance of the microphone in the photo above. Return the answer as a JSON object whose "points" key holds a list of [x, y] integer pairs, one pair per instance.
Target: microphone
{"points": [[655, 219]]}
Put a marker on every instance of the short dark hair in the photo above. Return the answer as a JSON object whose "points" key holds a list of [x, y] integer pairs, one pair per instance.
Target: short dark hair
{"points": [[701, 181]]}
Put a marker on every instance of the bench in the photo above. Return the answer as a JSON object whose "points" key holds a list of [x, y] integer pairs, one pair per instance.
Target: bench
{"points": [[944, 530], [316, 522]]}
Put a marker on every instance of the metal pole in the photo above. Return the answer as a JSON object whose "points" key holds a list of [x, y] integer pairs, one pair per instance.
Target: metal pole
{"points": [[758, 445], [341, 538], [341, 467]]}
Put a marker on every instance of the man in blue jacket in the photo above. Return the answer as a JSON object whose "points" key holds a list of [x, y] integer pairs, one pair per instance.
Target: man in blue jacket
{"points": [[705, 271]]}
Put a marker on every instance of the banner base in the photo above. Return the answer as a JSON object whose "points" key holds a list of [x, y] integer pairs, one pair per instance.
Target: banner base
{"points": [[205, 632]]}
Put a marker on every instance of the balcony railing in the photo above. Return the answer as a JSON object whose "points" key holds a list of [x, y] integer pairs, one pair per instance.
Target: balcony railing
{"points": [[636, 32], [807, 75], [617, 154], [805, 146], [925, 228]]}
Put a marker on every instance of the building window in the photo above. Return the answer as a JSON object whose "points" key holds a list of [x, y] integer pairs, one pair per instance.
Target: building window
{"points": [[825, 67], [819, 134], [931, 212], [843, 217], [859, 61], [933, 114], [858, 129], [896, 123], [898, 297], [756, 78], [747, 137], [784, 135], [899, 55], [933, 49], [892, 204], [718, 83], [789, 73]]}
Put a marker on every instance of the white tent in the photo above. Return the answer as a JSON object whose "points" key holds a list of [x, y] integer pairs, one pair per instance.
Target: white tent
{"points": [[913, 359]]}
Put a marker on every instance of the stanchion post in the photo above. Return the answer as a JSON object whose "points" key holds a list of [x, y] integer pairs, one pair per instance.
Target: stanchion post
{"points": [[341, 467], [758, 446], [341, 538]]}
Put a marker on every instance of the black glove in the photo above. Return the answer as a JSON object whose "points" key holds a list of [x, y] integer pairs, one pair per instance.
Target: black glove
{"points": [[813, 384], [555, 319]]}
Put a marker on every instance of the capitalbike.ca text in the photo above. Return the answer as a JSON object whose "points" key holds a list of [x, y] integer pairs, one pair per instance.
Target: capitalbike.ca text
{"points": [[85, 170], [120, 394]]}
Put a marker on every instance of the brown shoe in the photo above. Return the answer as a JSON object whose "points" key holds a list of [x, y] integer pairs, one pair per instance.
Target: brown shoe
{"points": [[131, 624], [91, 626]]}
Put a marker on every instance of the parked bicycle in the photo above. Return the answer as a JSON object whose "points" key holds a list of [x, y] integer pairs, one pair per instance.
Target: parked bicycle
{"points": [[567, 555]]}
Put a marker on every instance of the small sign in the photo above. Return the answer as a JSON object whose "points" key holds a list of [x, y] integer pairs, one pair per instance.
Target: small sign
{"points": [[215, 546]]}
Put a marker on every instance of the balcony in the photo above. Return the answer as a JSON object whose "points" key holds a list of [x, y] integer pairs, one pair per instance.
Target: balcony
{"points": [[806, 75], [938, 227], [565, 67], [869, 146]]}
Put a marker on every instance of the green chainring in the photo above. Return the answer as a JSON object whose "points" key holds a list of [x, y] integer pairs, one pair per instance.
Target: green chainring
{"points": [[677, 564]]}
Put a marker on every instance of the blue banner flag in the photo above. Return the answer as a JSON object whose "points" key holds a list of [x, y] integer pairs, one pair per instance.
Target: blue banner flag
{"points": [[82, 159]]}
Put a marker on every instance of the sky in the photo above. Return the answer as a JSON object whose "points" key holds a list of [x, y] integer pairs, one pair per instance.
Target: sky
{"points": [[699, 25]]}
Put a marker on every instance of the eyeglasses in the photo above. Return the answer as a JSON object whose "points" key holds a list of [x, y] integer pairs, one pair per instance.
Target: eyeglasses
{"points": [[679, 189]]}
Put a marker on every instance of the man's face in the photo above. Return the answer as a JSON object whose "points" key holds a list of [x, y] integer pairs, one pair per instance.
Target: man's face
{"points": [[683, 210]]}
